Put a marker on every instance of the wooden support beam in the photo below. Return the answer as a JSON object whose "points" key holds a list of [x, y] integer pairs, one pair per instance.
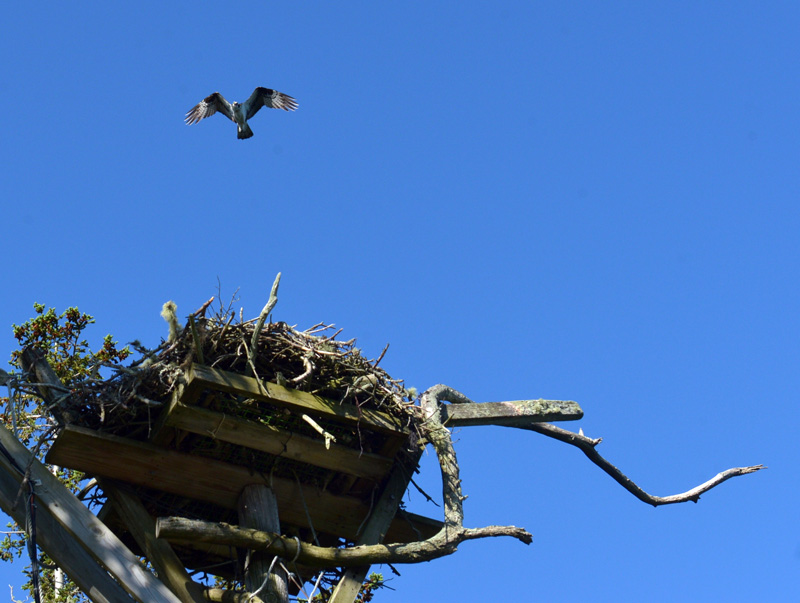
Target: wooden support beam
{"points": [[79, 530], [377, 525], [267, 438], [212, 481], [517, 413], [58, 543], [258, 509], [158, 552], [200, 377]]}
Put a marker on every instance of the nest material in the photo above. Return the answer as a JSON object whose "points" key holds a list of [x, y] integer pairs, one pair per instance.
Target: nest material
{"points": [[312, 360], [128, 404]]}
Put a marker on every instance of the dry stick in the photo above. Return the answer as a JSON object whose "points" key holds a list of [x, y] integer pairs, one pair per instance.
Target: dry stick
{"points": [[319, 429], [309, 369], [383, 353], [222, 332], [315, 328], [202, 310], [250, 361], [273, 299], [587, 446]]}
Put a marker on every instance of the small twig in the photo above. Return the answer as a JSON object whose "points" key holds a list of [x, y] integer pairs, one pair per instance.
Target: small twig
{"points": [[587, 446], [308, 517], [320, 326], [85, 490], [222, 332], [368, 514], [201, 311], [383, 353], [421, 491]]}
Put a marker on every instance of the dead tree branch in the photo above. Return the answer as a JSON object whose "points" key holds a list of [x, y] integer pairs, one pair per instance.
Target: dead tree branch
{"points": [[273, 299], [181, 529], [587, 446]]}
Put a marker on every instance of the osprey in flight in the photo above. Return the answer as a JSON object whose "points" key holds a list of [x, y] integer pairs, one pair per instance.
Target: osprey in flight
{"points": [[241, 112]]}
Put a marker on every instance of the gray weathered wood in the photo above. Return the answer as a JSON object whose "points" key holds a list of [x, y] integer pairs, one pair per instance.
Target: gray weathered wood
{"points": [[89, 531], [158, 552], [258, 509], [200, 377], [59, 544], [517, 413], [375, 529], [278, 442], [211, 480]]}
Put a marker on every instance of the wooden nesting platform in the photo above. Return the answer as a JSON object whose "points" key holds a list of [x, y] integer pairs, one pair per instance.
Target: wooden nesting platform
{"points": [[223, 431]]}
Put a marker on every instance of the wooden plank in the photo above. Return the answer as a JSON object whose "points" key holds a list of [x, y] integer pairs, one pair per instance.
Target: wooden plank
{"points": [[89, 531], [158, 552], [267, 438], [59, 544], [199, 377], [161, 434], [376, 527], [258, 509], [517, 413], [208, 480]]}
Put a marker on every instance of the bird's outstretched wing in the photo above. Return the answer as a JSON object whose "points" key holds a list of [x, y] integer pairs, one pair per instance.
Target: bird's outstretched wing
{"points": [[207, 107], [267, 97]]}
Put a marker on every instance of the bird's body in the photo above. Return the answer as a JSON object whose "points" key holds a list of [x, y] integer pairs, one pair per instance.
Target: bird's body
{"points": [[241, 112]]}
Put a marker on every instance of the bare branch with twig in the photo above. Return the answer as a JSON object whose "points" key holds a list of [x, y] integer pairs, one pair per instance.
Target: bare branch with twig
{"points": [[587, 446]]}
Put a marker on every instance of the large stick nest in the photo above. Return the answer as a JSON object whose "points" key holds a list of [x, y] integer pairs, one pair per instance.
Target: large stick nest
{"points": [[129, 402], [312, 360]]}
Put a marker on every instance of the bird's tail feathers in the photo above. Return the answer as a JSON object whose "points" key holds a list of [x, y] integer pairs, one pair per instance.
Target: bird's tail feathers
{"points": [[245, 131]]}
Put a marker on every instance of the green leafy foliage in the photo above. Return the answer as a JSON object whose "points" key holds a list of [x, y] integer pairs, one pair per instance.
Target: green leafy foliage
{"points": [[60, 337], [371, 584]]}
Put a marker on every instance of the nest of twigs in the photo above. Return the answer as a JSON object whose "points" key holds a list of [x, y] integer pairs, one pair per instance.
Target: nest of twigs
{"points": [[132, 401], [311, 360]]}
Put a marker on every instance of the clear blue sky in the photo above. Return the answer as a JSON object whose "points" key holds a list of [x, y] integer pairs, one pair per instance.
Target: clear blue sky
{"points": [[526, 199]]}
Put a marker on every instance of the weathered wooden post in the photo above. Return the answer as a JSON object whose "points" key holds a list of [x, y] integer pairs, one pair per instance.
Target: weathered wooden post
{"points": [[258, 508]]}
